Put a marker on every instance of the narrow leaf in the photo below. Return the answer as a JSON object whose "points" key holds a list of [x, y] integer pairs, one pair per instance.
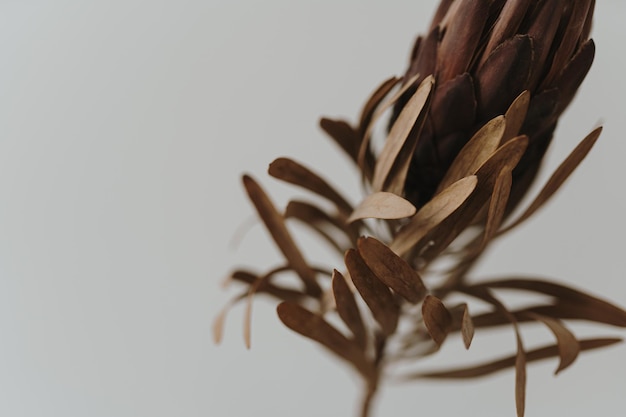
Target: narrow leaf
{"points": [[462, 320], [348, 309], [391, 159], [558, 177], [374, 101], [376, 295], [290, 171], [432, 214], [316, 328], [275, 224], [567, 344], [392, 270], [509, 361], [515, 116], [475, 152], [437, 318], [343, 134], [383, 205], [497, 205]]}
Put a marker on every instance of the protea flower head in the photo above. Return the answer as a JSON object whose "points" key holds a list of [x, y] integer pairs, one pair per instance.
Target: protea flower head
{"points": [[472, 118], [483, 54]]}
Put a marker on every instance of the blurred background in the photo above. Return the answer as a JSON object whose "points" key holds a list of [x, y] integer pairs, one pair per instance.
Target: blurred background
{"points": [[124, 129]]}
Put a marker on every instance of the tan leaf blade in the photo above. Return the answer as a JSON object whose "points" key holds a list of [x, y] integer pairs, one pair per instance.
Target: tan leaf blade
{"points": [[283, 294], [376, 295], [509, 361], [321, 222], [515, 116], [383, 205], [275, 224], [497, 205], [290, 171], [316, 328], [567, 344], [398, 149], [218, 323], [392, 270], [475, 152], [558, 177], [348, 309], [432, 214], [437, 318]]}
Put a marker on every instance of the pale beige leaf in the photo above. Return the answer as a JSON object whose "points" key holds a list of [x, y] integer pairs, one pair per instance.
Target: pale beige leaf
{"points": [[475, 152], [348, 309], [383, 205], [392, 270], [432, 214], [397, 149], [293, 172], [275, 224], [515, 116], [316, 328], [363, 151], [566, 341], [437, 318], [374, 292], [497, 205], [558, 177]]}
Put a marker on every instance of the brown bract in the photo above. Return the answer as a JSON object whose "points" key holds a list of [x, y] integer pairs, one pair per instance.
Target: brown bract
{"points": [[471, 121]]}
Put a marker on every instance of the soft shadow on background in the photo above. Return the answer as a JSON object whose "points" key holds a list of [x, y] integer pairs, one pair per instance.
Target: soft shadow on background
{"points": [[124, 129]]}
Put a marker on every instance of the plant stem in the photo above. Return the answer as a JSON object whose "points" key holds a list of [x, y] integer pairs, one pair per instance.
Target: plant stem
{"points": [[366, 404]]}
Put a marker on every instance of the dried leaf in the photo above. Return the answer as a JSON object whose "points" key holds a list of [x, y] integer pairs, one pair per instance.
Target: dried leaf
{"points": [[283, 294], [437, 318], [344, 134], [462, 320], [504, 363], [374, 101], [292, 172], [319, 220], [392, 270], [316, 328], [497, 205], [348, 309], [376, 295], [383, 205], [432, 214], [475, 152], [515, 116], [390, 166], [558, 177], [275, 224], [507, 24], [567, 344]]}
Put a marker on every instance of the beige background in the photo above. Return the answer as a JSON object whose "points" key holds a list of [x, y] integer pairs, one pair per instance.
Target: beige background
{"points": [[124, 128]]}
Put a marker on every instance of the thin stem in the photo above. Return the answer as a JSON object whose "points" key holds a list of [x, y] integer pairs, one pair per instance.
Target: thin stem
{"points": [[366, 404]]}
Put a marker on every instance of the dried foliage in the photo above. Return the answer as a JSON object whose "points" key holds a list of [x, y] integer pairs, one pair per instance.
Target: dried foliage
{"points": [[471, 120]]}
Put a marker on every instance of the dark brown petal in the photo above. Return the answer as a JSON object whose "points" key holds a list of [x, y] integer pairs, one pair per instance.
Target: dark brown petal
{"points": [[574, 73], [542, 31], [443, 8], [506, 26], [461, 38], [454, 105], [392, 270], [542, 112], [504, 75], [376, 295], [573, 29]]}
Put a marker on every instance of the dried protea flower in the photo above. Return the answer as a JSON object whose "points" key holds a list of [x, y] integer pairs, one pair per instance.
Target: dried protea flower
{"points": [[483, 55], [471, 121]]}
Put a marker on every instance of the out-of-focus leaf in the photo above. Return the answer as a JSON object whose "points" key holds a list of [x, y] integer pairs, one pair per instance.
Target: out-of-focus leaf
{"points": [[376, 295], [374, 101], [393, 161], [567, 344], [437, 318], [571, 303], [265, 286], [346, 137], [316, 328], [290, 171], [392, 270], [275, 224], [509, 361], [432, 214], [462, 320], [558, 177], [475, 152], [348, 309], [218, 323], [383, 205]]}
